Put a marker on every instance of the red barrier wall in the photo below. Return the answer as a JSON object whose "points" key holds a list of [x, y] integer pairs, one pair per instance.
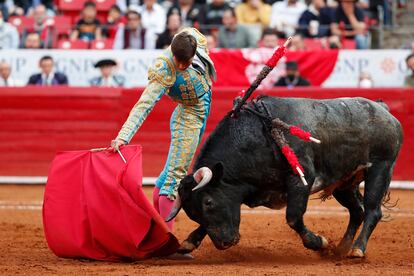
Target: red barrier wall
{"points": [[36, 122]]}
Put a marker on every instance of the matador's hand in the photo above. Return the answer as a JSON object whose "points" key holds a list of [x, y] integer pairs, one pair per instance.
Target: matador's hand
{"points": [[115, 144]]}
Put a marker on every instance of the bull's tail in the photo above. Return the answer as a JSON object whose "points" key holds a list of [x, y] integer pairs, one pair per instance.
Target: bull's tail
{"points": [[383, 104], [388, 205]]}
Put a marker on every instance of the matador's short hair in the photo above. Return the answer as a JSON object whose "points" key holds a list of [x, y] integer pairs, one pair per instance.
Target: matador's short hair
{"points": [[184, 46]]}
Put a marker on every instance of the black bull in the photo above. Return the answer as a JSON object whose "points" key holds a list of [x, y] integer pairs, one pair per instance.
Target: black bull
{"points": [[360, 142]]}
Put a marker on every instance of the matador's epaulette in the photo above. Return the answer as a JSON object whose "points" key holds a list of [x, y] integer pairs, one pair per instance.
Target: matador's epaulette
{"points": [[163, 71]]}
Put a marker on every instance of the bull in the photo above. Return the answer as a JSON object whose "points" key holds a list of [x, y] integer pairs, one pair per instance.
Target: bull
{"points": [[239, 164]]}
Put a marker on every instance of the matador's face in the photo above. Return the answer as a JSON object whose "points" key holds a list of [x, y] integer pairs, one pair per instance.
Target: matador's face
{"points": [[180, 65]]}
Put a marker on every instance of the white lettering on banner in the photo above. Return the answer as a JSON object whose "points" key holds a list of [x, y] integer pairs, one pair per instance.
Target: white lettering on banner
{"points": [[387, 68]]}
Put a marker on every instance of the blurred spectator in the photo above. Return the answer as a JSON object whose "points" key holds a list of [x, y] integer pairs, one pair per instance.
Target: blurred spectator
{"points": [[107, 77], [39, 15], [173, 26], [365, 80], [32, 41], [125, 5], [409, 80], [334, 42], [4, 8], [5, 75], [26, 7], [40, 26], [133, 35], [211, 42], [191, 14], [167, 4], [48, 75], [292, 77], [316, 20], [297, 43], [332, 3], [285, 16], [269, 39], [153, 16], [9, 36], [113, 22], [214, 12], [233, 35], [348, 22], [253, 12], [374, 8], [88, 27]]}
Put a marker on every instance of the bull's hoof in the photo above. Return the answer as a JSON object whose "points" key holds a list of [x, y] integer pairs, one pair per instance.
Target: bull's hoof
{"points": [[325, 242], [356, 253], [180, 257], [315, 242], [186, 247]]}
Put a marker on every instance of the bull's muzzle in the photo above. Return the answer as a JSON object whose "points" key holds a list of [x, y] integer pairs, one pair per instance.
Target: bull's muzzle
{"points": [[222, 245]]}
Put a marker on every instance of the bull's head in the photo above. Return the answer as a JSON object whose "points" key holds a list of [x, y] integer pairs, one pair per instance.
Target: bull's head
{"points": [[215, 205]]}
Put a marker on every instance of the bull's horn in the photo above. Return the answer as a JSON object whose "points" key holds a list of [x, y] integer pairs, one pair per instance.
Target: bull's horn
{"points": [[175, 209], [202, 176]]}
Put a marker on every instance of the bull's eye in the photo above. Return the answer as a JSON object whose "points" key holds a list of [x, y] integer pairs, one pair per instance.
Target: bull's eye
{"points": [[208, 203]]}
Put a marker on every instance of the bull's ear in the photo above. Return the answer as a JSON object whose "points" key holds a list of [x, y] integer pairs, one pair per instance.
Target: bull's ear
{"points": [[218, 170]]}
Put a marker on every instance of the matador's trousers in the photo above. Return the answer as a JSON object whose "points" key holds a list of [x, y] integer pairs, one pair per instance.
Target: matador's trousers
{"points": [[187, 125]]}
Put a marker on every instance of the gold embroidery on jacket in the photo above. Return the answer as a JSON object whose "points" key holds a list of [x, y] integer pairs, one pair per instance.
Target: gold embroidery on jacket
{"points": [[163, 71]]}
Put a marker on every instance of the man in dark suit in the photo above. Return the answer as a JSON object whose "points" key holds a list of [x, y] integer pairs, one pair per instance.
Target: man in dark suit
{"points": [[292, 77], [47, 76]]}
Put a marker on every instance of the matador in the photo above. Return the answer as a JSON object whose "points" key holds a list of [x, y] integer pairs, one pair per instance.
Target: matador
{"points": [[184, 72]]}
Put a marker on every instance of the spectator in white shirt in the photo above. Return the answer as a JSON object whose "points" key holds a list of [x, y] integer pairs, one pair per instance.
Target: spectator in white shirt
{"points": [[133, 35], [5, 76], [285, 16], [153, 16], [124, 5], [9, 36]]}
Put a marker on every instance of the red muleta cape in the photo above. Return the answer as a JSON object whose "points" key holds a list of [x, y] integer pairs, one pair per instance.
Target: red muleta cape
{"points": [[94, 207]]}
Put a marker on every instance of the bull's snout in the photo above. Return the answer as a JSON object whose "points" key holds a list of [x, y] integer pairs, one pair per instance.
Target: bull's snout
{"points": [[227, 244]]}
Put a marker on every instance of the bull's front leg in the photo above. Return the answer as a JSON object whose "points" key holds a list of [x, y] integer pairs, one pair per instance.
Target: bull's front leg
{"points": [[297, 200], [193, 241]]}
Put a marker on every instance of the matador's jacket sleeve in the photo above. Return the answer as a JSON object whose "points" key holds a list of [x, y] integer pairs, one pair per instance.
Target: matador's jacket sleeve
{"points": [[161, 78]]}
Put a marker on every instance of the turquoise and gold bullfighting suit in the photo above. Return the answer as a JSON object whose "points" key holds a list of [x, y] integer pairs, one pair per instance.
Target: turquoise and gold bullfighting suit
{"points": [[191, 89]]}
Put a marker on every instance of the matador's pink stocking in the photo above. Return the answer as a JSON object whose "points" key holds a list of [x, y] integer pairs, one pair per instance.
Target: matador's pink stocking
{"points": [[165, 206], [156, 198]]}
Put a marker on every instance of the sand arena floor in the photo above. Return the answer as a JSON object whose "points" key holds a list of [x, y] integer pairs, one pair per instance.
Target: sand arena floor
{"points": [[267, 247]]}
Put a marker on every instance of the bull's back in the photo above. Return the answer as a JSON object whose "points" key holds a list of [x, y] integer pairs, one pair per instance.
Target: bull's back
{"points": [[340, 117], [353, 131]]}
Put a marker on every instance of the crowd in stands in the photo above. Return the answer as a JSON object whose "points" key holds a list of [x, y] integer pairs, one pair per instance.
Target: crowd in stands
{"points": [[148, 24]]}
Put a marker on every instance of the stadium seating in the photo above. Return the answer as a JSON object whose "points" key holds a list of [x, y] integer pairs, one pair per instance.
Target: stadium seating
{"points": [[69, 44], [104, 5], [21, 22], [102, 44]]}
